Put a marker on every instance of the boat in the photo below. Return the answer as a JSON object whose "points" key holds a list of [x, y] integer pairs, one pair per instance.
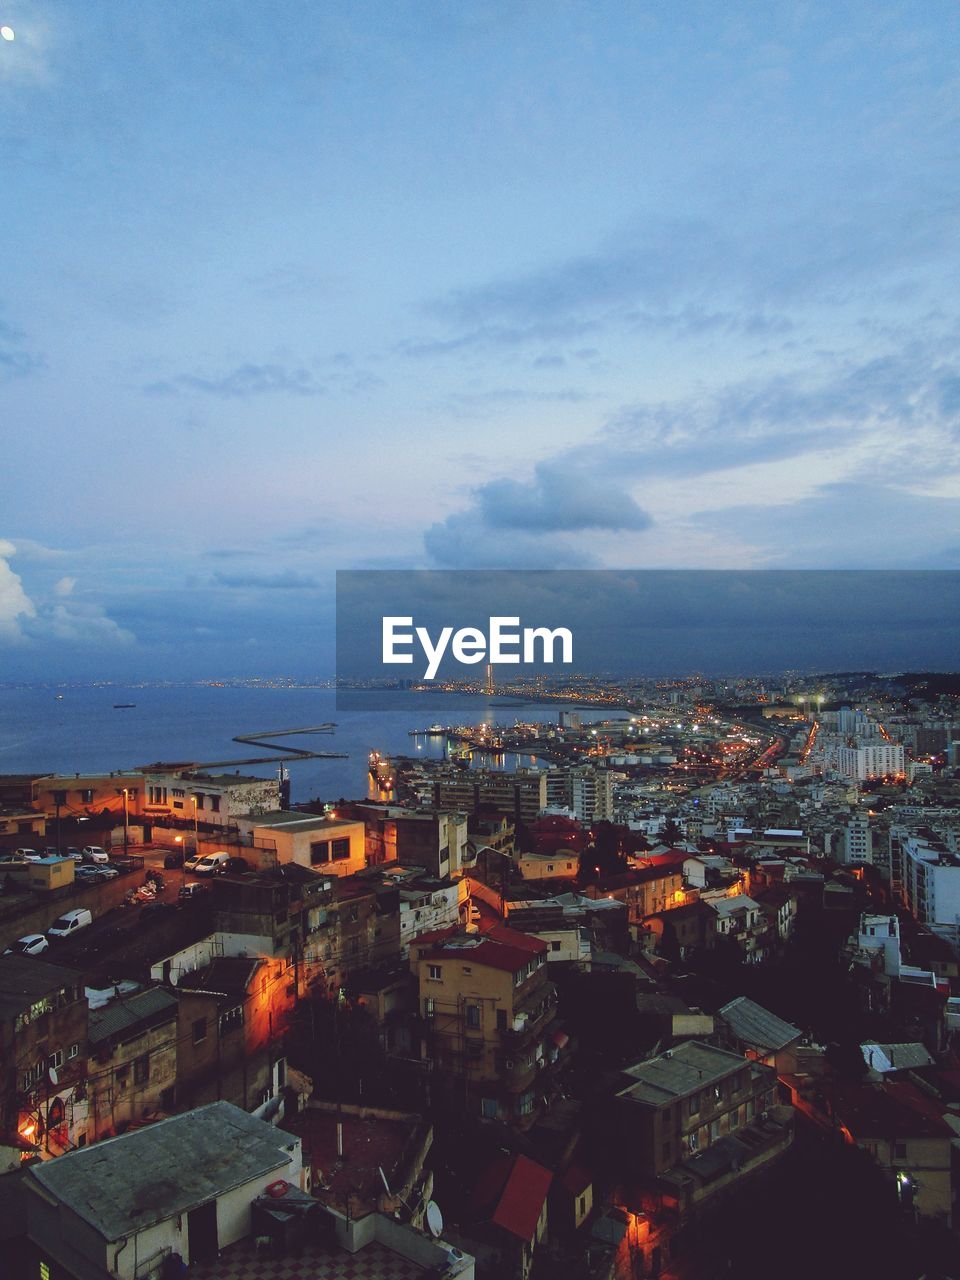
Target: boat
{"points": [[122, 706]]}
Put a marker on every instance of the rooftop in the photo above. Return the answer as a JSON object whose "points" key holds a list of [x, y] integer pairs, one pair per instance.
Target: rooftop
{"points": [[757, 1027], [244, 1261], [125, 1184], [125, 1016], [24, 979], [294, 821], [679, 1072]]}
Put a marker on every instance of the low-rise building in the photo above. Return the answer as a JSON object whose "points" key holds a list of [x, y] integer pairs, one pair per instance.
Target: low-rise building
{"points": [[43, 1052], [181, 1189], [132, 1071]]}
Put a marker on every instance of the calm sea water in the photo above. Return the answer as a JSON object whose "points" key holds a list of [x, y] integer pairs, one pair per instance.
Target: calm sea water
{"points": [[83, 732]]}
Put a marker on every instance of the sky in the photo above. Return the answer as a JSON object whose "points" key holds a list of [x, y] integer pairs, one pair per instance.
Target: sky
{"points": [[295, 288]]}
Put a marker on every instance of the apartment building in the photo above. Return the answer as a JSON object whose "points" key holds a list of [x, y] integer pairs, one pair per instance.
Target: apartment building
{"points": [[488, 1018], [695, 1119], [43, 1055]]}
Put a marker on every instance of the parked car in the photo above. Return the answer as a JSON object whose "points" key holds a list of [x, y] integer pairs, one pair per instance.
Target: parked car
{"points": [[173, 859], [108, 873], [12, 859], [75, 854], [70, 922], [193, 889], [94, 853], [31, 944], [27, 855], [50, 852], [237, 865], [212, 864], [85, 871]]}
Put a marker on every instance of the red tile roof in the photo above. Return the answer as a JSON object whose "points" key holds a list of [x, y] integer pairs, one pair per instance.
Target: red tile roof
{"points": [[497, 948], [521, 1202]]}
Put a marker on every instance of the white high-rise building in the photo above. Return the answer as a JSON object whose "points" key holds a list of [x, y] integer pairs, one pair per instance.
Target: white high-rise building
{"points": [[871, 760]]}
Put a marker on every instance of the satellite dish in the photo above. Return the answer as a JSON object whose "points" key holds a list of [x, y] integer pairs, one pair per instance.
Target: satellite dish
{"points": [[434, 1220], [54, 1078]]}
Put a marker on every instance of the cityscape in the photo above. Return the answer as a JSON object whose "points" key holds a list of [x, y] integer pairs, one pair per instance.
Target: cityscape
{"points": [[568, 995], [480, 640]]}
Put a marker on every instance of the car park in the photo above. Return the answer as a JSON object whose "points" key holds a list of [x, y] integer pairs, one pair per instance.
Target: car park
{"points": [[31, 944], [190, 864], [94, 853], [70, 922], [193, 889]]}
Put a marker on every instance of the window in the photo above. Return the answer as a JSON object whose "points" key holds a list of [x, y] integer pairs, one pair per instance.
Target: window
{"points": [[215, 803], [230, 1019], [429, 1006], [199, 1030], [73, 1051], [198, 800], [473, 1016], [319, 852], [899, 1151], [86, 795], [179, 794], [554, 944], [581, 1206], [435, 972], [501, 1019], [55, 1060], [141, 1069], [695, 1105], [488, 1108], [467, 969], [339, 850]]}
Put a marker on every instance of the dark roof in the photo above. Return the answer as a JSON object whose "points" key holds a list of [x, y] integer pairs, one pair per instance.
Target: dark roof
{"points": [[127, 1015], [126, 1184], [226, 975], [24, 979], [757, 1027]]}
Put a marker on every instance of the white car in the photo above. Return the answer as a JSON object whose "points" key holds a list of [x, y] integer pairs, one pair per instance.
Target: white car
{"points": [[93, 853], [31, 944], [28, 855]]}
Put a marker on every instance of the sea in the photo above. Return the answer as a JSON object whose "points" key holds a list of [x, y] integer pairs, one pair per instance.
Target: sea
{"points": [[84, 731]]}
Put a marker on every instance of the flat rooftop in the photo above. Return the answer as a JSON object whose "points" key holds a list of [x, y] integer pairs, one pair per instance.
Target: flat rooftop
{"points": [[125, 1184], [244, 1261], [369, 1145]]}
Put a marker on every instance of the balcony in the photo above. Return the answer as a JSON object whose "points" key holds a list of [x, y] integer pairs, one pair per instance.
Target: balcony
{"points": [[533, 1023]]}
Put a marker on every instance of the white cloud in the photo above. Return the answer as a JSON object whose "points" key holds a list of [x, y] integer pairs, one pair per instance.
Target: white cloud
{"points": [[15, 604]]}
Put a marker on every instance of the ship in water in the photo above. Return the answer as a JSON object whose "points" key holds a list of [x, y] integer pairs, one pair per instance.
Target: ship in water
{"points": [[123, 706]]}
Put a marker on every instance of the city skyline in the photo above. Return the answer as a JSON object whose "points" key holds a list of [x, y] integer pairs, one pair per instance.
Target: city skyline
{"points": [[497, 287]]}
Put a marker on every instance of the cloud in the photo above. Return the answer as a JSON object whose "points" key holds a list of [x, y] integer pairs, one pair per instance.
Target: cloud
{"points": [[516, 523], [15, 605], [78, 624], [880, 423], [557, 501], [242, 383], [464, 541], [64, 586], [16, 361], [287, 581]]}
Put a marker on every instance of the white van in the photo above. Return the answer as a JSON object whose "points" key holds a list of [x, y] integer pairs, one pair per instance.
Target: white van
{"points": [[212, 864], [66, 925], [94, 853]]}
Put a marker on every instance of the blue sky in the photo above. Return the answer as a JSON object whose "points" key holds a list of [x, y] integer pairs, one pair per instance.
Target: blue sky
{"points": [[292, 288]]}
